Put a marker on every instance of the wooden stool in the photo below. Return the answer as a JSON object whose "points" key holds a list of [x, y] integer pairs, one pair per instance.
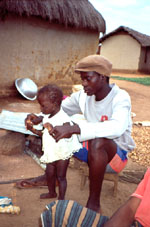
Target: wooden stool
{"points": [[84, 171]]}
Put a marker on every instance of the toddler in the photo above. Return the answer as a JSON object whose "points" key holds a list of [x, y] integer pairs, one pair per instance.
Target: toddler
{"points": [[56, 154]]}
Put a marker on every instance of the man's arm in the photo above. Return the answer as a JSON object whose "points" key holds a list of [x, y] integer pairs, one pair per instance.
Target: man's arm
{"points": [[64, 131], [118, 121], [70, 105], [124, 216]]}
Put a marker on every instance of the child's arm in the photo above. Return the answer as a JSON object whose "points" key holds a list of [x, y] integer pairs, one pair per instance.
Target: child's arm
{"points": [[32, 120], [37, 132]]}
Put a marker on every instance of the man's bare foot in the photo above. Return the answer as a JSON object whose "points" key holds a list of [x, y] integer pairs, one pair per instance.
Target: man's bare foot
{"points": [[93, 206], [96, 209], [48, 195]]}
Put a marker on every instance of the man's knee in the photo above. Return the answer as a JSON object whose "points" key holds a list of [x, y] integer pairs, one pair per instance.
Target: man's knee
{"points": [[101, 147], [96, 149], [97, 144]]}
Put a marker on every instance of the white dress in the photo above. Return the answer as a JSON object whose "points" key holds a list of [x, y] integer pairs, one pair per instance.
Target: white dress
{"points": [[64, 148]]}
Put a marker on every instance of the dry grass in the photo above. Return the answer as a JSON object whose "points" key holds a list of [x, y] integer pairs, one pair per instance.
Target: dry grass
{"points": [[141, 154]]}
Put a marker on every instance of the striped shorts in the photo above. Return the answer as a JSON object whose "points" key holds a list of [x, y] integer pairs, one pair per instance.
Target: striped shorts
{"points": [[116, 165]]}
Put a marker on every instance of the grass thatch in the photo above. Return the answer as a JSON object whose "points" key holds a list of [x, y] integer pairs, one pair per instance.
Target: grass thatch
{"points": [[143, 39], [72, 13]]}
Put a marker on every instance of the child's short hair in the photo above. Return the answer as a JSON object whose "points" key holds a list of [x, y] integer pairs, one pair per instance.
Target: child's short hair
{"points": [[53, 92]]}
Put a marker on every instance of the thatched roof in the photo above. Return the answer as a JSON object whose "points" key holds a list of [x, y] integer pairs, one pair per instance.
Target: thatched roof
{"points": [[74, 13], [143, 39]]}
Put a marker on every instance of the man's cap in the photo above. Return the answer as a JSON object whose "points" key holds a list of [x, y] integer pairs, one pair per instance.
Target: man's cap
{"points": [[95, 63]]}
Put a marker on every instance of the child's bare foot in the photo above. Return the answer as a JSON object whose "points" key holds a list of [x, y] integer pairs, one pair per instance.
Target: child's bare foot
{"points": [[48, 195]]}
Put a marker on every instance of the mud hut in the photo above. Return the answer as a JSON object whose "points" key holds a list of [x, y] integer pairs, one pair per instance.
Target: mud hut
{"points": [[43, 39], [128, 50]]}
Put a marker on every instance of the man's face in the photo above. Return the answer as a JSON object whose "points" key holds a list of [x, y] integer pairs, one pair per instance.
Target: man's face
{"points": [[91, 82]]}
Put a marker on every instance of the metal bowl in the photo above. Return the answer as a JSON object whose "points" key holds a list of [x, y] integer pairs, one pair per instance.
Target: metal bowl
{"points": [[27, 88]]}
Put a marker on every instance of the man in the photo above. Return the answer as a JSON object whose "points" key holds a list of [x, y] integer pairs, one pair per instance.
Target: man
{"points": [[107, 125]]}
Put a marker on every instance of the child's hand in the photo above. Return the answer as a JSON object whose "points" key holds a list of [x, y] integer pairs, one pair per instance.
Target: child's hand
{"points": [[32, 120], [48, 126], [29, 121]]}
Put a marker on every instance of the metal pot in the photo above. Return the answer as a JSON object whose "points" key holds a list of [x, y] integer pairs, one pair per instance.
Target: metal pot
{"points": [[27, 88]]}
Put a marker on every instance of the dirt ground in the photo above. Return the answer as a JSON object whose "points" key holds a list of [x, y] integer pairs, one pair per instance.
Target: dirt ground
{"points": [[23, 166]]}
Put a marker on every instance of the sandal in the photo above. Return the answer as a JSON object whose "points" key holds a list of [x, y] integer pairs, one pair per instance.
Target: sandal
{"points": [[31, 183]]}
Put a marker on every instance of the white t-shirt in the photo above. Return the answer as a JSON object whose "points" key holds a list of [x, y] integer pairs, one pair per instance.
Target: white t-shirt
{"points": [[109, 118]]}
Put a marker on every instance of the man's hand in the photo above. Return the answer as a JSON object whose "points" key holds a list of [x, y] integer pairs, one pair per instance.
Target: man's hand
{"points": [[64, 131]]}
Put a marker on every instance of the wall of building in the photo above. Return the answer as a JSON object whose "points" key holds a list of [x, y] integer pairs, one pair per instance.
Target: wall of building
{"points": [[144, 65], [31, 47], [123, 51]]}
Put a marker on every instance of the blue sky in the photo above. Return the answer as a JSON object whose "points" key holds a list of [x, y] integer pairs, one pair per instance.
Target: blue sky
{"points": [[134, 14]]}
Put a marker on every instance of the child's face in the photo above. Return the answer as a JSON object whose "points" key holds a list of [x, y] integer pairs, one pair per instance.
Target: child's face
{"points": [[46, 106]]}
